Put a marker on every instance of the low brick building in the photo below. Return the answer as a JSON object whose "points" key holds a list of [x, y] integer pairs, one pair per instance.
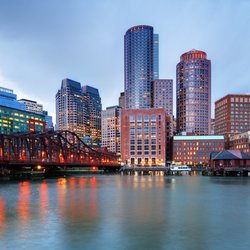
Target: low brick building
{"points": [[195, 150]]}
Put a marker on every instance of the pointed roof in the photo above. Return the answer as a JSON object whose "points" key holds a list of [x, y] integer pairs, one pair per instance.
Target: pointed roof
{"points": [[230, 155]]}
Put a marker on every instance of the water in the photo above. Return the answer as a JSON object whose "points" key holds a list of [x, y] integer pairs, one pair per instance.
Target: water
{"points": [[126, 212]]}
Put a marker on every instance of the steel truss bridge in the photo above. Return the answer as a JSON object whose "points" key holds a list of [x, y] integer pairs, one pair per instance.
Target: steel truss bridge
{"points": [[52, 148]]}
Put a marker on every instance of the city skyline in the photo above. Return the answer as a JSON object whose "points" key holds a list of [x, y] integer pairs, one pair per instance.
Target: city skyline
{"points": [[39, 47]]}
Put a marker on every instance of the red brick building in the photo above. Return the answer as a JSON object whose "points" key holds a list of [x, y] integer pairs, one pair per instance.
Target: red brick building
{"points": [[232, 115], [145, 135], [194, 150]]}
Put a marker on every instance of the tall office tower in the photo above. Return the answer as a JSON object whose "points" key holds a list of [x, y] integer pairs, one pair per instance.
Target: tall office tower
{"points": [[122, 100], [111, 135], [94, 109], [162, 95], [156, 57], [232, 115], [71, 108], [193, 90], [138, 66]]}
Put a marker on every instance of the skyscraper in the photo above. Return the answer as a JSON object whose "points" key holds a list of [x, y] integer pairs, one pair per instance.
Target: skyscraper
{"points": [[193, 91], [71, 108], [156, 57], [78, 109], [94, 109], [139, 66], [163, 95]]}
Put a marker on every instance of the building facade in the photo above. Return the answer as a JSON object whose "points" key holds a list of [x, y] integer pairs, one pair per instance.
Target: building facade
{"points": [[156, 57], [111, 134], [71, 109], [193, 93], [94, 109], [122, 100], [138, 66], [232, 115], [240, 142], [144, 135], [13, 116], [33, 106], [195, 150], [162, 95]]}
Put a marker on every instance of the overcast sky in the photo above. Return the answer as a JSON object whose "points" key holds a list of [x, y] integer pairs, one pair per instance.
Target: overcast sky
{"points": [[45, 41]]}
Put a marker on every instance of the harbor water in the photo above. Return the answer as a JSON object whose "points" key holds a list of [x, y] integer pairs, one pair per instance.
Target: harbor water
{"points": [[126, 212]]}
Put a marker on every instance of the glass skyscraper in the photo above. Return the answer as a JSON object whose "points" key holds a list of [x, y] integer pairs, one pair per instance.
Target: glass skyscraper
{"points": [[140, 53], [156, 57], [193, 92]]}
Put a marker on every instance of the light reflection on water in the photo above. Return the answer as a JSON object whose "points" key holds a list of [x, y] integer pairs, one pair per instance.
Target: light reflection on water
{"points": [[126, 212]]}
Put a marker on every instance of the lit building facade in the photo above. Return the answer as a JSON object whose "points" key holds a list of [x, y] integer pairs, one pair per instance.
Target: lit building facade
{"points": [[162, 95], [111, 134], [14, 118], [240, 142], [71, 108], [138, 66], [144, 135], [193, 93], [94, 109], [232, 115], [193, 150]]}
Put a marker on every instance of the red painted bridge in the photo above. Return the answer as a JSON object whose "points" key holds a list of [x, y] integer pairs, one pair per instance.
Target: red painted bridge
{"points": [[52, 149]]}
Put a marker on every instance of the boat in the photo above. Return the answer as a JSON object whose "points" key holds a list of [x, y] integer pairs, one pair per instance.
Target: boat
{"points": [[180, 168]]}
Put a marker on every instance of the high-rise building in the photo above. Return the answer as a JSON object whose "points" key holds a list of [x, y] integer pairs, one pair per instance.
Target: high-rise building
{"points": [[94, 109], [232, 114], [71, 108], [111, 136], [122, 100], [156, 57], [193, 90], [138, 66], [144, 136], [163, 95]]}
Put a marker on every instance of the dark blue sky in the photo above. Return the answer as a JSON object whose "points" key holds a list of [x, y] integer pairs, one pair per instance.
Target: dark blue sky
{"points": [[45, 41]]}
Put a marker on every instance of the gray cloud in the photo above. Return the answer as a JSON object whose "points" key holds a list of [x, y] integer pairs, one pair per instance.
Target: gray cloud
{"points": [[42, 42]]}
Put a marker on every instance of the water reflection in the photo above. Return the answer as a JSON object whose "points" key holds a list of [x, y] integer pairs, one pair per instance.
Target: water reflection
{"points": [[44, 201], [2, 216], [23, 206]]}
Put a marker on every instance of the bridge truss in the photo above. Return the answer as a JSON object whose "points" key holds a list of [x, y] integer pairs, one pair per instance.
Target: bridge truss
{"points": [[52, 147]]}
